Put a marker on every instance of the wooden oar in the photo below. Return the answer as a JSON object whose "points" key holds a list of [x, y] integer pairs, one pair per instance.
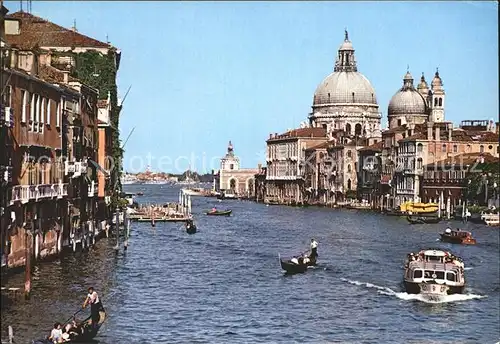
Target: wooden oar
{"points": [[67, 321]]}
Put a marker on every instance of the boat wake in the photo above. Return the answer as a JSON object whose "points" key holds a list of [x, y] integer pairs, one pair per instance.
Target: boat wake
{"points": [[415, 297]]}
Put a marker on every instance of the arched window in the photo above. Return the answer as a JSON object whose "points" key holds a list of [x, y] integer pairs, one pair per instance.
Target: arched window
{"points": [[481, 149], [349, 168], [399, 122], [348, 128], [469, 148], [444, 148], [419, 163], [357, 129], [232, 184], [349, 154], [324, 126], [349, 184], [435, 101], [440, 101], [328, 97], [420, 148], [455, 149]]}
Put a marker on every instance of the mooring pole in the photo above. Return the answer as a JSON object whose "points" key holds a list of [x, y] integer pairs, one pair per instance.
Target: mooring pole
{"points": [[27, 277], [126, 223], [117, 247]]}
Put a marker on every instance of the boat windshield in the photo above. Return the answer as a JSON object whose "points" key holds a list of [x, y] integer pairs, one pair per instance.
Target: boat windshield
{"points": [[434, 274], [434, 259], [450, 276]]}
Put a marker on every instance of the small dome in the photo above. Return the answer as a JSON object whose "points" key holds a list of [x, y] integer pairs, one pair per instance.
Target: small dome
{"points": [[436, 81], [407, 101], [423, 84], [345, 88], [346, 45]]}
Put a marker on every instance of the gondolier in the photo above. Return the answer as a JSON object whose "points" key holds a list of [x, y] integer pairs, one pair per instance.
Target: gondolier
{"points": [[314, 249], [95, 305]]}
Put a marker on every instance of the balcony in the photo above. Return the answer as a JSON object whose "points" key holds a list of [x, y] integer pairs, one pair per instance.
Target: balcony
{"points": [[6, 117], [26, 193]]}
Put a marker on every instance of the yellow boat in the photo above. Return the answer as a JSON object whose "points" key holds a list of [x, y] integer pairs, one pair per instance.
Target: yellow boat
{"points": [[419, 208]]}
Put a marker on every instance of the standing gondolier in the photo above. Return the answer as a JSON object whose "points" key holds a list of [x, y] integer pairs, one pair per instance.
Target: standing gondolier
{"points": [[95, 305], [314, 250]]}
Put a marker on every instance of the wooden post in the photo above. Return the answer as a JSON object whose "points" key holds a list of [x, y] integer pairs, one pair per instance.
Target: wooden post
{"points": [[27, 276], [11, 335], [117, 229], [126, 223]]}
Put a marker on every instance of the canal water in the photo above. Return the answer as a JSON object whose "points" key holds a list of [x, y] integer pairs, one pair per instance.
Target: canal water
{"points": [[224, 283]]}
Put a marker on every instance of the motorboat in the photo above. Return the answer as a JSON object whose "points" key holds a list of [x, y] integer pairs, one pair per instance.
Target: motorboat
{"points": [[83, 332], [423, 219], [434, 273], [457, 237]]}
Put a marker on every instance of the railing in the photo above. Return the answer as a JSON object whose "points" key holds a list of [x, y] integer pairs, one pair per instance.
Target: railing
{"points": [[26, 193], [76, 167]]}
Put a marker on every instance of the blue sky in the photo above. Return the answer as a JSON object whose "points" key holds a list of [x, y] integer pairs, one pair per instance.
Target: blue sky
{"points": [[204, 73]]}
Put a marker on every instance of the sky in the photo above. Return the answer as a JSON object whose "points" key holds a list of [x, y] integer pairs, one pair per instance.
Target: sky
{"points": [[204, 73]]}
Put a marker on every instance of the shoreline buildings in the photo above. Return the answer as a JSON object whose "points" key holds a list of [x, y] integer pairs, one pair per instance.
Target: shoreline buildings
{"points": [[57, 127], [343, 153]]}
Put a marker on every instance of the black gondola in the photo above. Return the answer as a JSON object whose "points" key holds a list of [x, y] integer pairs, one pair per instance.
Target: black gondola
{"points": [[84, 332], [299, 266], [190, 227]]}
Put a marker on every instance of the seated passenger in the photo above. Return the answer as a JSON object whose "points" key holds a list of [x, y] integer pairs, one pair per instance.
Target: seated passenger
{"points": [[214, 209], [294, 260], [56, 333]]}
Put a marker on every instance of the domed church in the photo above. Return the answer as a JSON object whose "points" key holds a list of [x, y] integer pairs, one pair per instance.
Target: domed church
{"points": [[345, 99], [417, 105]]}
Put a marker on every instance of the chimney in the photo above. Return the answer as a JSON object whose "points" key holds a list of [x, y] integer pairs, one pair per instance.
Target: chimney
{"points": [[65, 76], [429, 131]]}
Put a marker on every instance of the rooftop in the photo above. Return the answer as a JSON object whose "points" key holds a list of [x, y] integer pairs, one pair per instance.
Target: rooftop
{"points": [[300, 133], [376, 147], [36, 31], [465, 159]]}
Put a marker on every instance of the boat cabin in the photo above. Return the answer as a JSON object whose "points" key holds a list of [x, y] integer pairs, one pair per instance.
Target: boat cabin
{"points": [[434, 265]]}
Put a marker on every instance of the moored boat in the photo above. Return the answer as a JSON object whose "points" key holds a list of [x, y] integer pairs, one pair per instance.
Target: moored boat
{"points": [[434, 273], [421, 219], [219, 212], [458, 237], [491, 219], [83, 332]]}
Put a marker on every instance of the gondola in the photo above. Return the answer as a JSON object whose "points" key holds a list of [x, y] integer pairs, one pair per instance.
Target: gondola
{"points": [[190, 227], [296, 267], [219, 212], [85, 332]]}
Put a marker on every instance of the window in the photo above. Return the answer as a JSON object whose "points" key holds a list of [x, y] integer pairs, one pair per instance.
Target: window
{"points": [[42, 114], [399, 122], [24, 109], [37, 112], [7, 96], [231, 166], [444, 148], [420, 148], [349, 154], [417, 274], [348, 168], [348, 128], [450, 276], [455, 149], [481, 149], [440, 101], [490, 147], [59, 112], [435, 101], [49, 105], [32, 110]]}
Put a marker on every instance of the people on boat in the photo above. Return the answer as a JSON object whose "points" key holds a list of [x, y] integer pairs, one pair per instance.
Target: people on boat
{"points": [[294, 260], [56, 333], [95, 305], [314, 249], [448, 230], [214, 209]]}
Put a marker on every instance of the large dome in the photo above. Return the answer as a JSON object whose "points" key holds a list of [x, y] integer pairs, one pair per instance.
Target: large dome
{"points": [[348, 87], [407, 101]]}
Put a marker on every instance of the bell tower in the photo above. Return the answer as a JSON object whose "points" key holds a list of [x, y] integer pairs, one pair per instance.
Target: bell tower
{"points": [[436, 99]]}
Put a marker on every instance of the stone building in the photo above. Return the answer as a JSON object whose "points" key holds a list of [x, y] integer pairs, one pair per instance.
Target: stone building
{"points": [[412, 105], [52, 186], [286, 164], [231, 178]]}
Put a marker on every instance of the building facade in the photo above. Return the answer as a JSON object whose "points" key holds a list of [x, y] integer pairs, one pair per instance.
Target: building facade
{"points": [[231, 178]]}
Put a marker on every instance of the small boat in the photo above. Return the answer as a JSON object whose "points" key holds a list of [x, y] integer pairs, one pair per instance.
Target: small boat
{"points": [[84, 332], [434, 273], [491, 219], [417, 219], [140, 193], [458, 237], [190, 227], [296, 265], [219, 212]]}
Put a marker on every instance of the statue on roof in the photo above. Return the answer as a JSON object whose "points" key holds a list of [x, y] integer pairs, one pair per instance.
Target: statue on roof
{"points": [[346, 35]]}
